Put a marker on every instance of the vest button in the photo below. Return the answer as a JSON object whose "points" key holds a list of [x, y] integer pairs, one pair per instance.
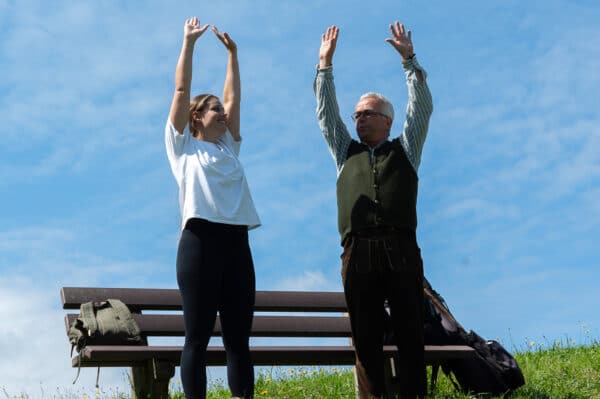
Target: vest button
{"points": [[377, 201]]}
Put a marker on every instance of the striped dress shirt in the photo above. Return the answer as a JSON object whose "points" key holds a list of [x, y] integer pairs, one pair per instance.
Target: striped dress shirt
{"points": [[414, 132]]}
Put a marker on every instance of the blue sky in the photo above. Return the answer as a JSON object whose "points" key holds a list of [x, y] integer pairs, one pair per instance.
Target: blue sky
{"points": [[509, 180]]}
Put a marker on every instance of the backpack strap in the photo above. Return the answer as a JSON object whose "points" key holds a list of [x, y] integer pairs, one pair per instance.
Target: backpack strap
{"points": [[441, 306], [452, 379], [434, 374], [78, 367], [123, 314], [98, 377], [88, 316], [79, 370]]}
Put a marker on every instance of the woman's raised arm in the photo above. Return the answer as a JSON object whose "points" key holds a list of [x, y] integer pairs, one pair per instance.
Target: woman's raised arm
{"points": [[183, 74], [232, 93]]}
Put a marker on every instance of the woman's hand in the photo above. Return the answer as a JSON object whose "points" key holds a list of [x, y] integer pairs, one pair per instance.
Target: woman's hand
{"points": [[225, 39], [192, 29]]}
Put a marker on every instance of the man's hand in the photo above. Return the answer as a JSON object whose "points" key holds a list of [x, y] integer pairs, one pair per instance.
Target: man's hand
{"points": [[401, 41], [225, 39], [328, 42], [192, 29]]}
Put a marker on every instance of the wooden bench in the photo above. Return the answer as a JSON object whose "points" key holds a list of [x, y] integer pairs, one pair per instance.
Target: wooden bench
{"points": [[153, 366]]}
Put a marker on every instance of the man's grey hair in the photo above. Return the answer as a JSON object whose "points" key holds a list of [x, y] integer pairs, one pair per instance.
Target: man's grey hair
{"points": [[388, 108]]}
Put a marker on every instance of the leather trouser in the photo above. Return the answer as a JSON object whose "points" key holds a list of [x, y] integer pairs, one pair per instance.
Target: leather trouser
{"points": [[378, 268]]}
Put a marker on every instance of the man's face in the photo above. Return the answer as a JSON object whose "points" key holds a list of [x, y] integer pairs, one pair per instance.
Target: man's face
{"points": [[372, 125]]}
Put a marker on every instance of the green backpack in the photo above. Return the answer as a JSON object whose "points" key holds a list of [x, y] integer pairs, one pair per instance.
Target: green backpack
{"points": [[103, 323]]}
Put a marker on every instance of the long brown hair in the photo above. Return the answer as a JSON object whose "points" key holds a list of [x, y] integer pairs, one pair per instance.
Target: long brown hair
{"points": [[197, 104]]}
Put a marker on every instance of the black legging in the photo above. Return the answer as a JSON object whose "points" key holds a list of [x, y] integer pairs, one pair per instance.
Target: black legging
{"points": [[215, 273]]}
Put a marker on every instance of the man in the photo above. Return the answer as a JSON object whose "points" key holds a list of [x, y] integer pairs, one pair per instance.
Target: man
{"points": [[377, 217]]}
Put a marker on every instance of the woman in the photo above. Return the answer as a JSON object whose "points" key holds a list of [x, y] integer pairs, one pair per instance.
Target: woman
{"points": [[214, 264]]}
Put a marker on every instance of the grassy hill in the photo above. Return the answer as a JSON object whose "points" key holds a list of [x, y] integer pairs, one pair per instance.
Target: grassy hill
{"points": [[556, 371]]}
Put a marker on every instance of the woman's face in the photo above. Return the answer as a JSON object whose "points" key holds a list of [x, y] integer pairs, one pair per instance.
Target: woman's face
{"points": [[213, 119]]}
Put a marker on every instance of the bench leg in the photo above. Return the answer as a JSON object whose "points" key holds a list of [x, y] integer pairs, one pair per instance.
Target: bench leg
{"points": [[152, 380], [392, 387], [391, 383], [138, 382], [359, 391], [435, 368], [356, 388]]}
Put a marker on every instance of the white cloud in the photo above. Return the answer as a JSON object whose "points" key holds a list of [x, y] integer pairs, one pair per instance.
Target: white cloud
{"points": [[309, 280], [510, 214], [480, 210], [49, 257], [36, 262], [33, 337]]}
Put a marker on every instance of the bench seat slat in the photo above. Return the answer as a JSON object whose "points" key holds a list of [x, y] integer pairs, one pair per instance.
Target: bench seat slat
{"points": [[125, 356], [170, 299], [262, 326]]}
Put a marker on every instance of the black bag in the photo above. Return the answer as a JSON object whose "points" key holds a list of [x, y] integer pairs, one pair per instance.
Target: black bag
{"points": [[103, 323], [493, 370]]}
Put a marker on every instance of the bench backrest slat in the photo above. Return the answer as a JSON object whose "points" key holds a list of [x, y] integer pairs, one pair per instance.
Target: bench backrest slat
{"points": [[262, 326], [139, 299]]}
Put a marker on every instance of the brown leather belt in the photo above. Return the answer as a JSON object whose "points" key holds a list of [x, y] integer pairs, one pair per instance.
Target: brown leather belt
{"points": [[381, 233]]}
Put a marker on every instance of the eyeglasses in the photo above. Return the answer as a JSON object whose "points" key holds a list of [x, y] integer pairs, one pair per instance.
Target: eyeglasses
{"points": [[367, 114]]}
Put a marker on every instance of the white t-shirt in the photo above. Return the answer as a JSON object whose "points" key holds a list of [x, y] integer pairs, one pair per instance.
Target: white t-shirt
{"points": [[212, 183]]}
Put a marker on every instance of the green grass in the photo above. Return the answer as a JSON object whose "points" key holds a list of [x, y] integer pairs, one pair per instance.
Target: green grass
{"points": [[556, 371]]}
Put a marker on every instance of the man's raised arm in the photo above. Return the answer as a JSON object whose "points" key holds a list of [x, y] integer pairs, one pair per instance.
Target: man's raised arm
{"points": [[420, 105], [328, 113]]}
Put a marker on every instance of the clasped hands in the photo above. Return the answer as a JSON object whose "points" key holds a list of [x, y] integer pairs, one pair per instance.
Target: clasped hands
{"points": [[192, 31]]}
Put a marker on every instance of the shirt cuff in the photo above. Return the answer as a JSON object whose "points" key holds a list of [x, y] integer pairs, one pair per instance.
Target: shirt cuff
{"points": [[325, 70], [413, 65]]}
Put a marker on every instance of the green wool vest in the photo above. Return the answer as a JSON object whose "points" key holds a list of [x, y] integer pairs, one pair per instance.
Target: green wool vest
{"points": [[379, 193]]}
